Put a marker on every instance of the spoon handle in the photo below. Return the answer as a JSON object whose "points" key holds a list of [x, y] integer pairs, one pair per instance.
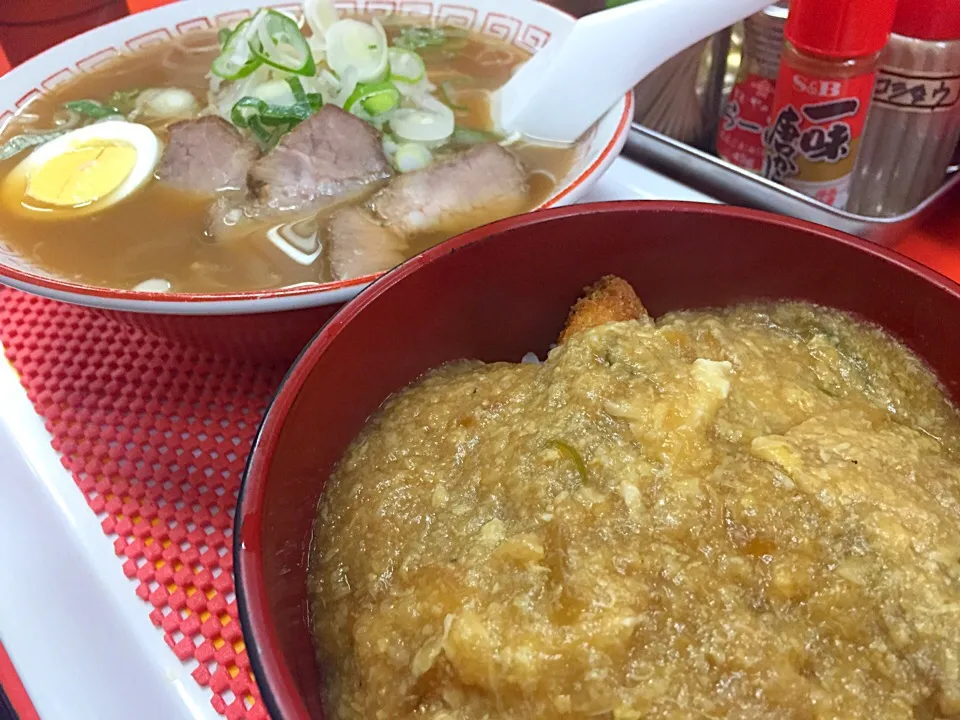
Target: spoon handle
{"points": [[568, 85]]}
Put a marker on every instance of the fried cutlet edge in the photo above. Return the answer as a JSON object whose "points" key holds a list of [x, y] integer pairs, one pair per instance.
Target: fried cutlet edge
{"points": [[610, 299]]}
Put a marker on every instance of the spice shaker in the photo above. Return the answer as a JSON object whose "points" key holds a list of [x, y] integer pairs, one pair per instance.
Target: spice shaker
{"points": [[745, 114], [914, 125], [823, 93]]}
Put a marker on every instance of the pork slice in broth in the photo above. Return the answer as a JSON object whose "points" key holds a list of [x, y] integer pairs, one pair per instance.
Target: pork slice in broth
{"points": [[206, 156], [478, 186], [327, 157], [358, 245]]}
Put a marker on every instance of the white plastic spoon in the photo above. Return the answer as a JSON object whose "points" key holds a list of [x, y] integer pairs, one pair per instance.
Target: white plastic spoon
{"points": [[578, 77]]}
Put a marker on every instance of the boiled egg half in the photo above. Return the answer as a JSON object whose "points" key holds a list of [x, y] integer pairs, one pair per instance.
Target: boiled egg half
{"points": [[84, 171]]}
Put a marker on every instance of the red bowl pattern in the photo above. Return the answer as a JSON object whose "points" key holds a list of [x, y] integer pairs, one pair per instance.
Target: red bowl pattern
{"points": [[495, 294]]}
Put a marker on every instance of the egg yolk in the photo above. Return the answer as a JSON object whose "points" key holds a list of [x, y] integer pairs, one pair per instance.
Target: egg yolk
{"points": [[83, 175]]}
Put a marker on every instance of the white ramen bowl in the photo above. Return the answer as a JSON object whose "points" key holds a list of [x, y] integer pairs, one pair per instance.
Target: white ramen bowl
{"points": [[527, 24]]}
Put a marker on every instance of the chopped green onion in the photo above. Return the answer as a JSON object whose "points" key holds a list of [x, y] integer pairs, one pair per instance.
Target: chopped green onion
{"points": [[280, 44], [266, 137], [421, 36], [571, 454], [302, 97], [469, 136], [423, 126], [245, 109], [296, 87], [411, 157], [18, 144], [290, 115], [357, 47], [91, 108], [406, 66], [269, 122], [445, 91], [374, 98], [237, 59], [223, 34]]}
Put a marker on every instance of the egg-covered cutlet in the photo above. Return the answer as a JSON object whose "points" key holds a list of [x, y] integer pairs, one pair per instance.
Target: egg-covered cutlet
{"points": [[610, 299]]}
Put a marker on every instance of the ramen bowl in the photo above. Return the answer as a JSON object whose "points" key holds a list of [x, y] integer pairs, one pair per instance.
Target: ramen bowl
{"points": [[496, 294], [275, 322]]}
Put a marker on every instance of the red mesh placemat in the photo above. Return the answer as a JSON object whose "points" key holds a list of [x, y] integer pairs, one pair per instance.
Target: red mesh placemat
{"points": [[156, 436]]}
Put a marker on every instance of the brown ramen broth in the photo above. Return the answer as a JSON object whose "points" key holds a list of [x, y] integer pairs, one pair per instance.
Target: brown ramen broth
{"points": [[161, 232]]}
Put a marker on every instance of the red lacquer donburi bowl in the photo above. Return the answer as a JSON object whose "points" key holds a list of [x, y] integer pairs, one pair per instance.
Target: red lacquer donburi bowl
{"points": [[496, 294]]}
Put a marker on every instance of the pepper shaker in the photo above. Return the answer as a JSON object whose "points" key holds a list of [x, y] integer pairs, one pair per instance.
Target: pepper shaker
{"points": [[827, 74], [914, 124]]}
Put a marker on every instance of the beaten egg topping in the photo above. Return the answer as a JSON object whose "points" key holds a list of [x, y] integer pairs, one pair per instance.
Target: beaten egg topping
{"points": [[749, 513]]}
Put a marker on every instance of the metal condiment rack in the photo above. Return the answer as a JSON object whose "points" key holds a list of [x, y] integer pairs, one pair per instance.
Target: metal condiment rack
{"points": [[730, 184]]}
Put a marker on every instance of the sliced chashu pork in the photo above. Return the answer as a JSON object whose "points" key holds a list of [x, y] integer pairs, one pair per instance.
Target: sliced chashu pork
{"points": [[358, 245], [478, 186], [206, 156], [329, 156]]}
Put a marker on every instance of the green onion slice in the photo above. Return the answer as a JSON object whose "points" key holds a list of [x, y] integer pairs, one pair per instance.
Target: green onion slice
{"points": [[91, 108], [406, 66], [237, 59], [357, 47], [446, 91], [245, 109], [296, 87], [374, 98], [313, 99], [410, 157], [469, 136], [279, 43], [289, 115], [267, 137]]}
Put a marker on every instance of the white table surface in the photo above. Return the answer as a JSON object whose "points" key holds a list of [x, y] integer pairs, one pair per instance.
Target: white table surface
{"points": [[78, 635]]}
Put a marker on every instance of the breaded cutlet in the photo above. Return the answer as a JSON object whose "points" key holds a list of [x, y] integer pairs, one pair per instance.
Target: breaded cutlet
{"points": [[610, 299]]}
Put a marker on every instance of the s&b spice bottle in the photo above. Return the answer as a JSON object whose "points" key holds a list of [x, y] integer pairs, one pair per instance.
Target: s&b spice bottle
{"points": [[823, 93]]}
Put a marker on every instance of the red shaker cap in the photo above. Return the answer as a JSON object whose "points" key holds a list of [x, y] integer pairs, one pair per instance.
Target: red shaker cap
{"points": [[840, 28], [926, 20]]}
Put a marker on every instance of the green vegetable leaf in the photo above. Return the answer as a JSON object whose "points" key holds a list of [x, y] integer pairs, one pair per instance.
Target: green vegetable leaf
{"points": [[124, 101], [422, 36], [269, 123], [18, 144], [91, 108], [571, 454], [617, 3]]}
